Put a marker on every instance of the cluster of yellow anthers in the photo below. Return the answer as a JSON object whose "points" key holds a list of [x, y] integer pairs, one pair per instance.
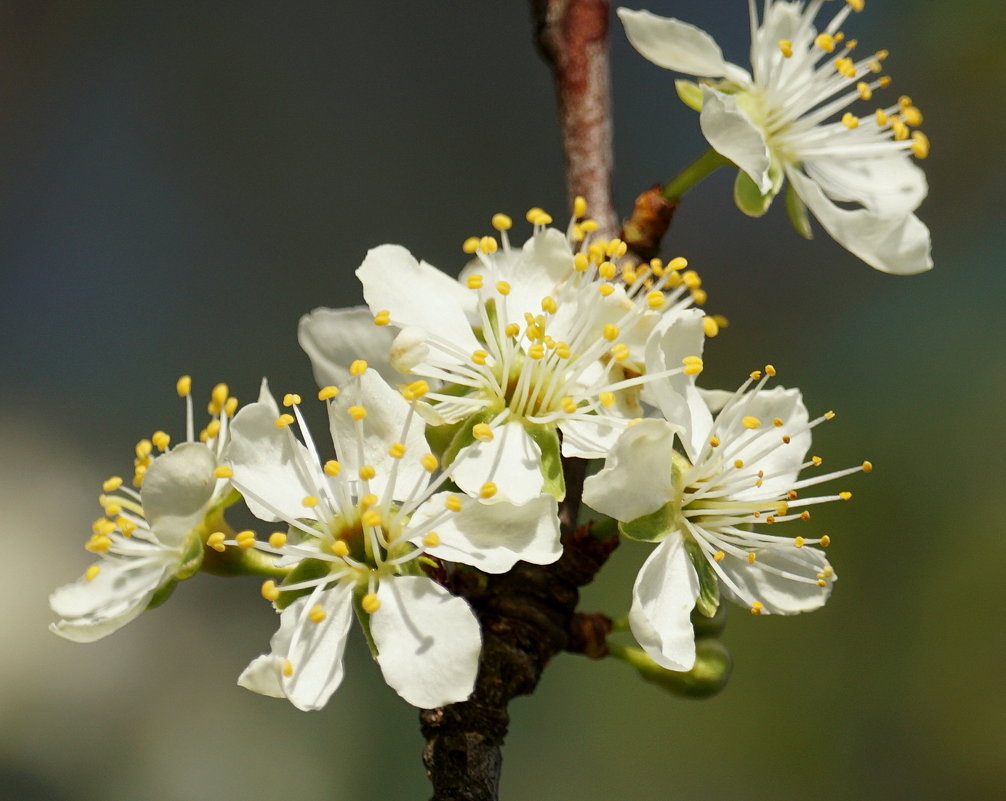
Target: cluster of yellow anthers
{"points": [[901, 118]]}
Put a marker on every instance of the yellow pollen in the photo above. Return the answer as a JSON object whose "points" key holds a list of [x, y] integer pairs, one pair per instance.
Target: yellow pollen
{"points": [[845, 66], [786, 439], [487, 245], [317, 614], [370, 603], [912, 116], [900, 129], [607, 270], [327, 393], [579, 206], [799, 542], [371, 518], [750, 422], [144, 448], [480, 356], [503, 287], [714, 442], [534, 332], [825, 542], [111, 484], [850, 120], [216, 541], [805, 516], [310, 501], [751, 557], [620, 352], [277, 539], [397, 450], [183, 386], [629, 276], [589, 226], [611, 332], [568, 405], [655, 299], [821, 583], [607, 399], [817, 461], [291, 399], [920, 144], [548, 305], [103, 526], [382, 318], [127, 527], [431, 540], [368, 501], [881, 55], [92, 572], [710, 327], [212, 429], [332, 468], [845, 495], [219, 395], [417, 389], [340, 549], [245, 539], [738, 463], [829, 415], [502, 222], [429, 462], [786, 47], [453, 502], [284, 420], [536, 351], [792, 495], [482, 432], [580, 262], [825, 41], [269, 590], [487, 490], [562, 350], [755, 375], [98, 543], [857, 5], [605, 290], [358, 367], [884, 82], [904, 101], [231, 406], [287, 668], [357, 413], [865, 92], [161, 440], [781, 508], [693, 365], [367, 472], [223, 472], [867, 467], [512, 329], [719, 556], [475, 281], [757, 607], [470, 245]]}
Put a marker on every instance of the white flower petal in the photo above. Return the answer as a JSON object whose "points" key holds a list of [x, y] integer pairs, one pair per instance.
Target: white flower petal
{"points": [[428, 641], [673, 44], [418, 294], [898, 245], [491, 536], [511, 460], [334, 338], [662, 601], [636, 479], [176, 489], [779, 595], [589, 439], [888, 187], [730, 131]]}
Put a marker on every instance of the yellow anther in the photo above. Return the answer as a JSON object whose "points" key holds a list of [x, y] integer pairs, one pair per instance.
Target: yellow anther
{"points": [[316, 614], [867, 467], [589, 226], [98, 543], [397, 450], [821, 583], [580, 262], [786, 48], [850, 120], [817, 461], [912, 116], [620, 352], [719, 556], [245, 539], [216, 541], [231, 406], [629, 276], [475, 281], [562, 350], [846, 67], [223, 472], [327, 393], [482, 432], [605, 290], [829, 415], [370, 603], [655, 299], [371, 518], [453, 502], [92, 572], [607, 399], [786, 439], [693, 365], [287, 668], [512, 329], [111, 484], [610, 332], [480, 356], [710, 327], [757, 607], [904, 101], [502, 222], [112, 508], [607, 270], [269, 590], [470, 245], [792, 495], [431, 540], [536, 351], [291, 399], [714, 442], [548, 305], [615, 247], [845, 495], [487, 490], [358, 367], [417, 389], [429, 462], [340, 549], [825, 542], [487, 244], [865, 92], [799, 542], [357, 413], [770, 370], [805, 516], [699, 297], [367, 472], [277, 539], [901, 130], [568, 405], [750, 422], [212, 429], [691, 279], [533, 213], [161, 440], [310, 501], [144, 448], [839, 37], [369, 500], [503, 287], [219, 395], [920, 144], [751, 557], [382, 318], [183, 386], [103, 526], [284, 420], [332, 468], [825, 41], [857, 5], [579, 206]]}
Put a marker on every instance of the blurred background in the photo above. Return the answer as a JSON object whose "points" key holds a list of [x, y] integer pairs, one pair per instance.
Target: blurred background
{"points": [[180, 181]]}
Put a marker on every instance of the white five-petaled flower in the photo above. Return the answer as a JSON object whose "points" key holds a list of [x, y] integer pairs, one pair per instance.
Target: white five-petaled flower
{"points": [[709, 509], [149, 539], [782, 120], [531, 343], [358, 526]]}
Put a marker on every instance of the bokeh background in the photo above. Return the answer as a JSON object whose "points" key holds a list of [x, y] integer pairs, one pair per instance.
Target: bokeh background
{"points": [[179, 181]]}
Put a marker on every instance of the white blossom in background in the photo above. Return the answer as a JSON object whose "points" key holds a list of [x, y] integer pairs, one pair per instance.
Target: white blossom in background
{"points": [[149, 539], [788, 118], [529, 344], [710, 509], [357, 527]]}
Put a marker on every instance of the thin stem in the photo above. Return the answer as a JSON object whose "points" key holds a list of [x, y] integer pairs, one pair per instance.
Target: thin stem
{"points": [[704, 165]]}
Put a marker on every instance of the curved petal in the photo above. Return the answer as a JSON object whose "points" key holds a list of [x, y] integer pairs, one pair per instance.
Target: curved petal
{"points": [[176, 490], [673, 44], [490, 536], [305, 664], [428, 641], [780, 595], [418, 294], [590, 439], [888, 187], [730, 131], [511, 460], [898, 245], [636, 479], [662, 601], [334, 338]]}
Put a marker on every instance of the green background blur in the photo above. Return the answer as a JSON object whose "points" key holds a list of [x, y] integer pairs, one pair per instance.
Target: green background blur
{"points": [[179, 181]]}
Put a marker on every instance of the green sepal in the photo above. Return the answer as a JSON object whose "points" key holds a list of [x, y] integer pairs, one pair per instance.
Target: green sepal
{"points": [[690, 93], [709, 675], [797, 213], [709, 626], [748, 198], [193, 557], [547, 441], [162, 594], [463, 436], [709, 584], [306, 570], [363, 617], [603, 528], [654, 527]]}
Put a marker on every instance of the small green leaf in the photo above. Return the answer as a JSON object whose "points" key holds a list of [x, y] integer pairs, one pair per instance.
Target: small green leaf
{"points": [[551, 459], [690, 93], [653, 527], [797, 213], [709, 584]]}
